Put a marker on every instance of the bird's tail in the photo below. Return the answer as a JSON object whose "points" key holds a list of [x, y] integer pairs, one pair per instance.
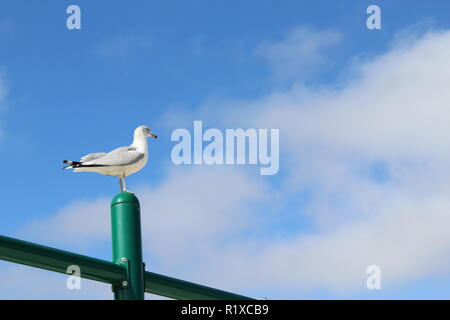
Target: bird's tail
{"points": [[71, 164]]}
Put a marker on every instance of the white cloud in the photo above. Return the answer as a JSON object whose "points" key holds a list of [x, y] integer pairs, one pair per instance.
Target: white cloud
{"points": [[123, 44], [394, 113], [195, 207], [406, 240], [299, 53], [79, 224]]}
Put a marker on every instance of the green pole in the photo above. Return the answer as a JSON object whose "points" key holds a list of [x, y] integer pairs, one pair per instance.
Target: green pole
{"points": [[127, 245]]}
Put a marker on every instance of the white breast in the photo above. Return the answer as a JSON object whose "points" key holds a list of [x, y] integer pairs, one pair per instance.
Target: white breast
{"points": [[136, 167]]}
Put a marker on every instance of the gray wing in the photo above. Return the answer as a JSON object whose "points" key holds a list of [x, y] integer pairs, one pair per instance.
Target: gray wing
{"points": [[122, 156], [92, 156]]}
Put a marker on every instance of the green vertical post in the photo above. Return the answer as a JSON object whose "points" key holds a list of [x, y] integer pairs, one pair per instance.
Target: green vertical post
{"points": [[127, 245]]}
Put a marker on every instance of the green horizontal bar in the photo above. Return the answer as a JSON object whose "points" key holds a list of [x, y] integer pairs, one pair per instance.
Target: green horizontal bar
{"points": [[184, 290], [43, 257], [52, 259]]}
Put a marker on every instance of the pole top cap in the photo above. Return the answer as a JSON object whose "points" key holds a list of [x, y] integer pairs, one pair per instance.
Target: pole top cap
{"points": [[124, 197]]}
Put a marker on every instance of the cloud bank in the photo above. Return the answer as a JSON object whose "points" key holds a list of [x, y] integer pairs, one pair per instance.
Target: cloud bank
{"points": [[300, 52]]}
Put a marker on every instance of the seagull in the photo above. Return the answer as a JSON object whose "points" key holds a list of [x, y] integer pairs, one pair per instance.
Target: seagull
{"points": [[120, 162]]}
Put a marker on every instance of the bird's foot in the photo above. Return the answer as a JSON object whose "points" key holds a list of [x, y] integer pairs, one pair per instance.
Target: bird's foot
{"points": [[128, 191]]}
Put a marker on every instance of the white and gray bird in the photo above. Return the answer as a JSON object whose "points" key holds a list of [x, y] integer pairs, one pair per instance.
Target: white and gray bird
{"points": [[120, 162]]}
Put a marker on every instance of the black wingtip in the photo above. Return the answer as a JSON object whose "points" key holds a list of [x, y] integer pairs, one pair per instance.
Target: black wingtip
{"points": [[73, 163]]}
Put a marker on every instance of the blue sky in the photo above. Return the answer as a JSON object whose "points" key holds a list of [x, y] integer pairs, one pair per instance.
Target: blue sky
{"points": [[348, 101]]}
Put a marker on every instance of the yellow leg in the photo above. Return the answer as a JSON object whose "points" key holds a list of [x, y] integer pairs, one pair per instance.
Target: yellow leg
{"points": [[121, 184], [125, 185]]}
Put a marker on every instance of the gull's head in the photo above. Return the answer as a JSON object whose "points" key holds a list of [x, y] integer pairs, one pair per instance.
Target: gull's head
{"points": [[145, 131]]}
